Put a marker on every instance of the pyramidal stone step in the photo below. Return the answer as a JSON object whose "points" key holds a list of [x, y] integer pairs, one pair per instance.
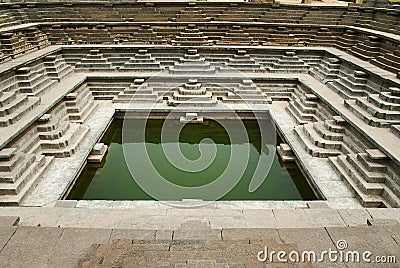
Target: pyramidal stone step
{"points": [[365, 200]]}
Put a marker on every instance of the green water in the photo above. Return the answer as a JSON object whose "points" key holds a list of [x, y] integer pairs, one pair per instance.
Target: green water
{"points": [[111, 180]]}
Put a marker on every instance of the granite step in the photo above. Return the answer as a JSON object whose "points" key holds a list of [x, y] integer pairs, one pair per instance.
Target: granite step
{"points": [[365, 200], [311, 147]]}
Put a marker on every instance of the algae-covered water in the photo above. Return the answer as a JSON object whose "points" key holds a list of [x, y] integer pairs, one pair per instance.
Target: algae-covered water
{"points": [[111, 180]]}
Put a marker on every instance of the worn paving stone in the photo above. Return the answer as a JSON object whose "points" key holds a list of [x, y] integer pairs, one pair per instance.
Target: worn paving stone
{"points": [[133, 234], [323, 217], [387, 213], [287, 218], [354, 217], [309, 239], [6, 232], [249, 233], [164, 234], [259, 218], [30, 247], [183, 234], [9, 220], [377, 240], [73, 242]]}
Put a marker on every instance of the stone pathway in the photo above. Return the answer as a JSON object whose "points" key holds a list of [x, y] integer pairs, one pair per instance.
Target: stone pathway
{"points": [[194, 244]]}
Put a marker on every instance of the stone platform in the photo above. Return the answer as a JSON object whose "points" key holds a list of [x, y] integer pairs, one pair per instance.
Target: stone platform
{"points": [[328, 77], [32, 240]]}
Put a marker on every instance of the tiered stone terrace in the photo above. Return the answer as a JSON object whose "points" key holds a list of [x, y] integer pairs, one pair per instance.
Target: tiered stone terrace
{"points": [[302, 82], [327, 76]]}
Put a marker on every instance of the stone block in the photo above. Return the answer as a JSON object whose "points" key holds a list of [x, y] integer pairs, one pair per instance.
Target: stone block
{"points": [[317, 205], [23, 70], [382, 222], [339, 120], [334, 60], [360, 74], [98, 153], [7, 153], [66, 203], [9, 221], [395, 91], [71, 96], [44, 118], [376, 154]]}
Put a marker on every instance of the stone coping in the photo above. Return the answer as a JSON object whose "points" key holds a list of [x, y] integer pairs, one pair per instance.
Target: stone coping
{"points": [[165, 217]]}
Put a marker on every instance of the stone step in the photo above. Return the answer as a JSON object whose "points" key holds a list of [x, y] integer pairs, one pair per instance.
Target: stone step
{"points": [[7, 98], [66, 135], [319, 141], [37, 86], [391, 194], [11, 170], [369, 176], [27, 185], [390, 97], [377, 112], [370, 165], [385, 101], [368, 188], [18, 109], [82, 113], [68, 144], [299, 117], [332, 126], [322, 129], [365, 200], [368, 118], [53, 132], [311, 147], [28, 170], [161, 254], [396, 130], [192, 103], [345, 91]]}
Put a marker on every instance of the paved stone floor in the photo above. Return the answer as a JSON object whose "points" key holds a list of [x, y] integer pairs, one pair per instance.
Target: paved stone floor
{"points": [[193, 244]]}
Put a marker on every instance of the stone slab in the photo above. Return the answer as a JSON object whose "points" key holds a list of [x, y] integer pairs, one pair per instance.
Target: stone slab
{"points": [[66, 203], [374, 239], [9, 221], [30, 247], [354, 217], [7, 153], [193, 234], [315, 239], [164, 234], [318, 205], [259, 218], [134, 234], [6, 232], [250, 234], [73, 243]]}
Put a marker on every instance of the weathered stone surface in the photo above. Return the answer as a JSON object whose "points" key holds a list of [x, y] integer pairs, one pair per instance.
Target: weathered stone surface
{"points": [[28, 247], [136, 234], [6, 221], [75, 242]]}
